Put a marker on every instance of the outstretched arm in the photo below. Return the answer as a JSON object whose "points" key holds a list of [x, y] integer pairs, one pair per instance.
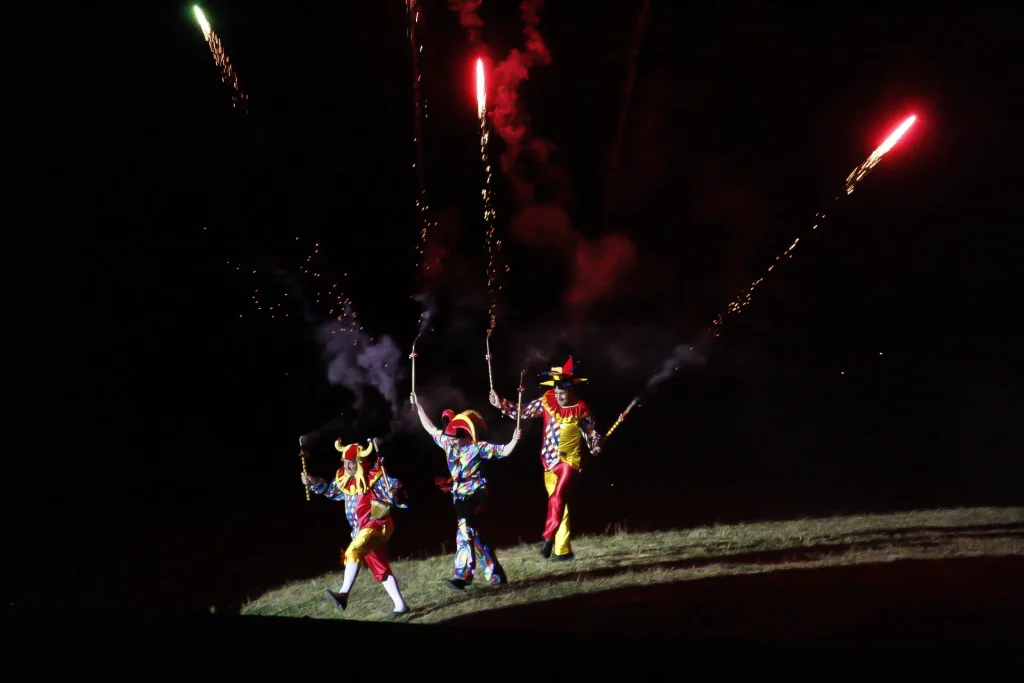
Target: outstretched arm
{"points": [[492, 450], [531, 410]]}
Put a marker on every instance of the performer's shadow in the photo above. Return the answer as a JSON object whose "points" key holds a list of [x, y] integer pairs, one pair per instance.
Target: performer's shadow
{"points": [[942, 601], [731, 555]]}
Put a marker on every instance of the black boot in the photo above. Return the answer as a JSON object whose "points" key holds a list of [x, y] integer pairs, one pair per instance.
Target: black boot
{"points": [[545, 550], [564, 558], [456, 584], [340, 600], [499, 578]]}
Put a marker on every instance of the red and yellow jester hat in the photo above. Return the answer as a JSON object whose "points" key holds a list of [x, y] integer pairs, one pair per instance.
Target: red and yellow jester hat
{"points": [[469, 420], [563, 377], [356, 454], [353, 451]]}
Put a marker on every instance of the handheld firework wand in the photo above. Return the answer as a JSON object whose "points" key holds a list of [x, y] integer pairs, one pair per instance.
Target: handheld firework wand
{"points": [[412, 357], [519, 406], [302, 454], [490, 374], [622, 416]]}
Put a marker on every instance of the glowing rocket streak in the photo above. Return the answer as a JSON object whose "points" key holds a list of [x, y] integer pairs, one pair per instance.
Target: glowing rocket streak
{"points": [[203, 23], [481, 90], [857, 174], [227, 73], [744, 299]]}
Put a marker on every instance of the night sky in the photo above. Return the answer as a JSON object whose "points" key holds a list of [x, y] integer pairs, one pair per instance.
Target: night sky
{"points": [[159, 410]]}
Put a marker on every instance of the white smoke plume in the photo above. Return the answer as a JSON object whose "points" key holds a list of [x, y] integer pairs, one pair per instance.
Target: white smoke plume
{"points": [[357, 361]]}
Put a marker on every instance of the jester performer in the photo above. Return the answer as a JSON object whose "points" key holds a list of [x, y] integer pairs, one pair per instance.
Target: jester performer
{"points": [[368, 494], [465, 456], [566, 420]]}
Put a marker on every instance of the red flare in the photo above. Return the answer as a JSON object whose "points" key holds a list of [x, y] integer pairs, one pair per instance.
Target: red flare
{"points": [[481, 89]]}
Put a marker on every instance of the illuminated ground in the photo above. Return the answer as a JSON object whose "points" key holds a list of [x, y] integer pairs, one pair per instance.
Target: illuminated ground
{"points": [[954, 573]]}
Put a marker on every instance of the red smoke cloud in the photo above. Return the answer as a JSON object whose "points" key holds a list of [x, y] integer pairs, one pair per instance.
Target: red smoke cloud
{"points": [[468, 17], [545, 224]]}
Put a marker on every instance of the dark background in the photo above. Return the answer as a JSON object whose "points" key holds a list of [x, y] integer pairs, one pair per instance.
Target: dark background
{"points": [[157, 410]]}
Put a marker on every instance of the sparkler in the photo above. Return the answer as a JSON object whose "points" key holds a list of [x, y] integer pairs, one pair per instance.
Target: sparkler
{"points": [[744, 299], [227, 72]]}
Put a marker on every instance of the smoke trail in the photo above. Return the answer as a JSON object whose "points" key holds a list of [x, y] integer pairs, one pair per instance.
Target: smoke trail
{"points": [[468, 18], [429, 310], [615, 158], [684, 355], [357, 361]]}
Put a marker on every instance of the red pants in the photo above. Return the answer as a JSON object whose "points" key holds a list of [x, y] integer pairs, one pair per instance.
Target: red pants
{"points": [[566, 477]]}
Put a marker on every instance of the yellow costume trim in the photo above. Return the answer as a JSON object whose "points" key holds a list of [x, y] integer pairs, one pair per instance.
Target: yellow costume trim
{"points": [[356, 484], [569, 429]]}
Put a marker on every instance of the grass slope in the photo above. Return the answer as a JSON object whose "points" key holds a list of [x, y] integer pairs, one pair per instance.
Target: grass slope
{"points": [[622, 560]]}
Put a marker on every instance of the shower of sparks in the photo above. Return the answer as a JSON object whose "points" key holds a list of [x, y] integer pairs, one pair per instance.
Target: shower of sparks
{"points": [[338, 304], [740, 302], [227, 72], [413, 13], [492, 246]]}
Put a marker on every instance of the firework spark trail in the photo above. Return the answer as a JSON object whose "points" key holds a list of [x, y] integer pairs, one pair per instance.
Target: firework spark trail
{"points": [[615, 158], [307, 267], [414, 12], [688, 355], [227, 72], [493, 246]]}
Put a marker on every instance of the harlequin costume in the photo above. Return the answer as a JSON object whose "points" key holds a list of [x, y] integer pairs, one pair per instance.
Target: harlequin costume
{"points": [[468, 487], [564, 428], [369, 496]]}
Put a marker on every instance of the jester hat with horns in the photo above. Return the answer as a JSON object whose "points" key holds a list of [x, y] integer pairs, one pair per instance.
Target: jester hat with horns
{"points": [[564, 377], [357, 454], [468, 420]]}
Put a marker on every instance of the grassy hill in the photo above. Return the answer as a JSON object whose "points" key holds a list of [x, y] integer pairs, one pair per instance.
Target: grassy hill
{"points": [[607, 564]]}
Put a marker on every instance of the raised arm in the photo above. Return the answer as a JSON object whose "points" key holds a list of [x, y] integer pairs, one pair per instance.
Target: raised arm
{"points": [[439, 437], [424, 420]]}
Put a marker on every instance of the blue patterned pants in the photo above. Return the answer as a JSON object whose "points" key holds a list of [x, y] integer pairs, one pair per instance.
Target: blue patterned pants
{"points": [[469, 544]]}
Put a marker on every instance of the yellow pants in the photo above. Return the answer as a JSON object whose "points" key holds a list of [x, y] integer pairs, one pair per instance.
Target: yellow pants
{"points": [[562, 544], [366, 542]]}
